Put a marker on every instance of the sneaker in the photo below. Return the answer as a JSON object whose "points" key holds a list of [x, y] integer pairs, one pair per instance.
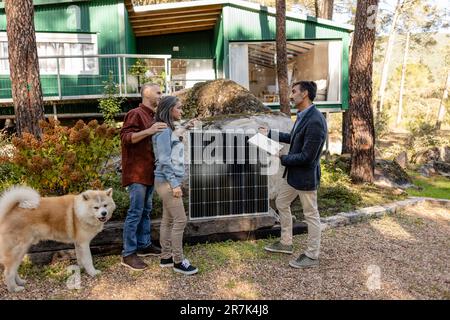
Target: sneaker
{"points": [[303, 262], [279, 247], [185, 267], [133, 262], [164, 263], [151, 250]]}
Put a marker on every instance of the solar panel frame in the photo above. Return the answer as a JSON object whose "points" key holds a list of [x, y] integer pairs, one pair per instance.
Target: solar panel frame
{"points": [[259, 203]]}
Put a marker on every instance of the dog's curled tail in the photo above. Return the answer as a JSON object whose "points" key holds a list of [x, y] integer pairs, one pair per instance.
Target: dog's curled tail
{"points": [[25, 197]]}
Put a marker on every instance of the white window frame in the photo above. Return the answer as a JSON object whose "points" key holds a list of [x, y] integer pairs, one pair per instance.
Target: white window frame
{"points": [[47, 37], [301, 40]]}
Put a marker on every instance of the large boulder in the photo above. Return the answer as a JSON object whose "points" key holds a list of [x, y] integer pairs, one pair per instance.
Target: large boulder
{"points": [[390, 174], [218, 97], [441, 154], [402, 159], [435, 168]]}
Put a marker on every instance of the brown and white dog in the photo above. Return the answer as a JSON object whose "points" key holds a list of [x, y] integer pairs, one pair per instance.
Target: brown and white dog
{"points": [[26, 219]]}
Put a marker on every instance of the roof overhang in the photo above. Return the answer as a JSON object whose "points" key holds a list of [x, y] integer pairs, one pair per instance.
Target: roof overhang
{"points": [[152, 20], [176, 17]]}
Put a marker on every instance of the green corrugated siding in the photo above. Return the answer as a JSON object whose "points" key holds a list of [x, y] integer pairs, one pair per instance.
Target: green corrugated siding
{"points": [[2, 20], [99, 16], [246, 25], [130, 38], [193, 45], [219, 48], [45, 2], [106, 18]]}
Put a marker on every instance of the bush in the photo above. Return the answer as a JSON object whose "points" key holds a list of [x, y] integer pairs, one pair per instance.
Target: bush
{"points": [[382, 124], [110, 104], [336, 190], [64, 161], [423, 135]]}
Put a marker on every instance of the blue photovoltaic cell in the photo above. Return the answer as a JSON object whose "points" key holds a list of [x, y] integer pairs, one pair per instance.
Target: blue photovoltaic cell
{"points": [[233, 187]]}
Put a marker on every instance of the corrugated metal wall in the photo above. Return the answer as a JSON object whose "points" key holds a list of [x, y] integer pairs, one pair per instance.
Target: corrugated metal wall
{"points": [[219, 48], [247, 25], [193, 45], [106, 18]]}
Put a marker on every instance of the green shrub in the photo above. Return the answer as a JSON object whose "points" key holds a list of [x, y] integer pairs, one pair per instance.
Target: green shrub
{"points": [[110, 104], [423, 135], [382, 124], [66, 160], [336, 192]]}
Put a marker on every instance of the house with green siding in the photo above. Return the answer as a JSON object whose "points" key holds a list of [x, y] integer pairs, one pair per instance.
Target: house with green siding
{"points": [[83, 43]]}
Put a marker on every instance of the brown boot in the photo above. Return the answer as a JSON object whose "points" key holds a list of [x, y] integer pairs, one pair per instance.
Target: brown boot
{"points": [[134, 262]]}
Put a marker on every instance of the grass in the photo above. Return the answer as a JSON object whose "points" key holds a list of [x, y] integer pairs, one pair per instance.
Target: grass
{"points": [[433, 187], [211, 256], [55, 272], [338, 194]]}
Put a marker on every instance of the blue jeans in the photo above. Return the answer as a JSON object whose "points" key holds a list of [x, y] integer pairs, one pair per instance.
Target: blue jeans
{"points": [[136, 229]]}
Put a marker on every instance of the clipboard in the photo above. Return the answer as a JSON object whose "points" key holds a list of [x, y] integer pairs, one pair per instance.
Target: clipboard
{"points": [[266, 144]]}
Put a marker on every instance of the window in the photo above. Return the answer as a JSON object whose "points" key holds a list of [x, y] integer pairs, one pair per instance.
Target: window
{"points": [[187, 72], [318, 61], [59, 44]]}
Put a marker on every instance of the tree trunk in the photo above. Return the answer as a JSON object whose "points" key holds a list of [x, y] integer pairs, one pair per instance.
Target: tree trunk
{"points": [[402, 81], [24, 66], [387, 59], [324, 8], [282, 72], [361, 114], [441, 112], [346, 133]]}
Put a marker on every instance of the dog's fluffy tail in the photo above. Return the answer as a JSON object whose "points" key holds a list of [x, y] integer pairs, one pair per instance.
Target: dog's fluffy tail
{"points": [[25, 197]]}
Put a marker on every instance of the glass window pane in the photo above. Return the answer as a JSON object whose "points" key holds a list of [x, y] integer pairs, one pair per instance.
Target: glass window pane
{"points": [[59, 47], [90, 64], [4, 64], [185, 73], [42, 51], [76, 66]]}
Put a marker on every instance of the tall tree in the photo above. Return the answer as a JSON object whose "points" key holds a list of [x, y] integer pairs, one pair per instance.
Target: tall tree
{"points": [[282, 71], [442, 105], [24, 66], [361, 113], [402, 81], [387, 56], [422, 18], [324, 8]]}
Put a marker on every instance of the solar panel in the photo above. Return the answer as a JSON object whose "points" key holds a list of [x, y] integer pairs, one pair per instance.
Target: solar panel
{"points": [[225, 176]]}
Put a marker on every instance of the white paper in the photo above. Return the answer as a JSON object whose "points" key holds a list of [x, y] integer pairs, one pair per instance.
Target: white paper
{"points": [[267, 144]]}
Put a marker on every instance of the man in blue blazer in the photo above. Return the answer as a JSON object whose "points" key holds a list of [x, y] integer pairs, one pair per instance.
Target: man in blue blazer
{"points": [[302, 173]]}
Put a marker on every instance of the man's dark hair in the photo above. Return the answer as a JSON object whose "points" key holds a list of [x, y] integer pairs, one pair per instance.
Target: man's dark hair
{"points": [[309, 86]]}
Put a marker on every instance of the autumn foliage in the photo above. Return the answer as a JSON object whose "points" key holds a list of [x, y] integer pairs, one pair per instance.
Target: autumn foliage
{"points": [[65, 160]]}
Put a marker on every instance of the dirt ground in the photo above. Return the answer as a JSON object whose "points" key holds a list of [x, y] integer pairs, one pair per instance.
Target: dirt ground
{"points": [[402, 256]]}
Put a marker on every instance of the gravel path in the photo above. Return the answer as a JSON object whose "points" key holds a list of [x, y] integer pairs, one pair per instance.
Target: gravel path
{"points": [[404, 256]]}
